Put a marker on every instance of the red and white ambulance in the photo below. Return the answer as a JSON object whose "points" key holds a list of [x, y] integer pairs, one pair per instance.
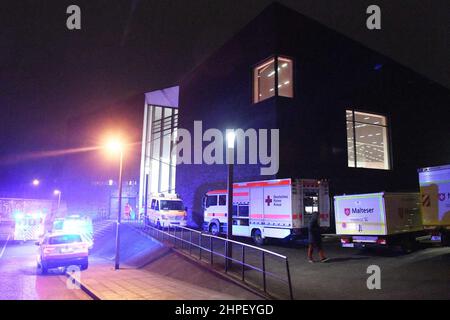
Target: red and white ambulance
{"points": [[268, 209]]}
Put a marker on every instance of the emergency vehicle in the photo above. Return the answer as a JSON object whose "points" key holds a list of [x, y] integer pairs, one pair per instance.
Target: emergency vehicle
{"points": [[378, 219], [166, 209], [23, 219], [435, 202], [76, 224], [268, 209]]}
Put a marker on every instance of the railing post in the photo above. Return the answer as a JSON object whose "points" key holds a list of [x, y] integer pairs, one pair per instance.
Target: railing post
{"points": [[200, 246], [174, 238], [226, 258], [243, 263], [289, 280], [263, 262], [210, 250], [190, 242], [182, 239]]}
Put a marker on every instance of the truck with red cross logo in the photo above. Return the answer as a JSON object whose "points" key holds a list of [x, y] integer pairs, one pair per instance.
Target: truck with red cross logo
{"points": [[435, 202], [267, 209], [383, 219]]}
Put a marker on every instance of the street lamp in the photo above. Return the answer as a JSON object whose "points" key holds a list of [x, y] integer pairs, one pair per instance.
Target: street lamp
{"points": [[57, 192], [115, 146], [230, 161], [35, 182]]}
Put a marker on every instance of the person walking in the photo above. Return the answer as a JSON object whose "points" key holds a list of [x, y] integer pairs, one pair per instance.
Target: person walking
{"points": [[315, 239]]}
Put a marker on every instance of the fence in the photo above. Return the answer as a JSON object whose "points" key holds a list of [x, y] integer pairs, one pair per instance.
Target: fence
{"points": [[244, 263]]}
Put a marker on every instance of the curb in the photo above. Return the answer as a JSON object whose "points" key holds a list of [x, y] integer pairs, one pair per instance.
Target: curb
{"points": [[85, 289]]}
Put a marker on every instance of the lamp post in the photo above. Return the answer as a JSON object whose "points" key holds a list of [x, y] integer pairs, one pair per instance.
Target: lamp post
{"points": [[57, 192], [115, 146], [230, 162]]}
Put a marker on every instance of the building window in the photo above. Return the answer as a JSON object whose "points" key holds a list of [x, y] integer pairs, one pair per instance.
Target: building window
{"points": [[367, 140], [264, 79]]}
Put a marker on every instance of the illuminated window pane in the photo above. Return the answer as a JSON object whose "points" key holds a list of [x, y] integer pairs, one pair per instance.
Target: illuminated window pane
{"points": [[367, 140], [264, 79], [285, 85], [350, 140]]}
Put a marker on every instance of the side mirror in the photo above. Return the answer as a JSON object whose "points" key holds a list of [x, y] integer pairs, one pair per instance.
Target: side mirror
{"points": [[37, 243]]}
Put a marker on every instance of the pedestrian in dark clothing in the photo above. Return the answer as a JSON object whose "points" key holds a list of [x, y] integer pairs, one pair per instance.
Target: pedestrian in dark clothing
{"points": [[315, 238]]}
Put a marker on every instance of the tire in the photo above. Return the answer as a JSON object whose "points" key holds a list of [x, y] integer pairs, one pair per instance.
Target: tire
{"points": [[214, 229], [257, 237], [42, 269], [445, 239], [408, 245]]}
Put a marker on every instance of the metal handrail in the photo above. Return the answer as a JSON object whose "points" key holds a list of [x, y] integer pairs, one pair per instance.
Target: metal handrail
{"points": [[228, 260]]}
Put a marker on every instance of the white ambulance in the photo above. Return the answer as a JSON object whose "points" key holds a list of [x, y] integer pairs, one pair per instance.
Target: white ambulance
{"points": [[268, 209], [29, 226], [166, 209]]}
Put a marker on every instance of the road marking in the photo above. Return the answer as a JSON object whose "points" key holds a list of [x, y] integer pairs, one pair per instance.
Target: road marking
{"points": [[4, 247]]}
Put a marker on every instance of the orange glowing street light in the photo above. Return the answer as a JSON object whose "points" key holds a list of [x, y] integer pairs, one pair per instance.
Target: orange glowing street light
{"points": [[115, 145]]}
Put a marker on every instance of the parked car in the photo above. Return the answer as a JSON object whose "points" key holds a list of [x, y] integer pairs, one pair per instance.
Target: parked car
{"points": [[62, 250]]}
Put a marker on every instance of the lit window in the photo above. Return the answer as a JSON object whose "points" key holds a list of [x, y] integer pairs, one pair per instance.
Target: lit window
{"points": [[367, 140], [264, 78]]}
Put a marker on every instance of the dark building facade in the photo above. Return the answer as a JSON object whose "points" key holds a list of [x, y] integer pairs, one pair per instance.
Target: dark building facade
{"points": [[344, 112]]}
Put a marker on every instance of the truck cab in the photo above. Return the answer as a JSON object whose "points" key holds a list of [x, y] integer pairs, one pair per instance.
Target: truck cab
{"points": [[166, 209]]}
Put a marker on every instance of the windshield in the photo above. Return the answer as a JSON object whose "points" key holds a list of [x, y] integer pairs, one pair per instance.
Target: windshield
{"points": [[171, 205], [66, 238], [58, 225]]}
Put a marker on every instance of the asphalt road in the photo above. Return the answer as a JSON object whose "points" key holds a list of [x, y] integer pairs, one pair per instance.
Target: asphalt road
{"points": [[19, 280], [423, 274]]}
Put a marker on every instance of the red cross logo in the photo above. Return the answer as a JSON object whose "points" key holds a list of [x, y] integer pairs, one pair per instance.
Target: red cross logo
{"points": [[268, 201]]}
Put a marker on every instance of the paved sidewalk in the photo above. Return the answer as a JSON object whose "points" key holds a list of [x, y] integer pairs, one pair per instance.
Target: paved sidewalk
{"points": [[106, 283]]}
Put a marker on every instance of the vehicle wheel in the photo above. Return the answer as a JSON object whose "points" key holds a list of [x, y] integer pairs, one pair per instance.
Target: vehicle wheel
{"points": [[445, 239], [214, 229], [42, 269], [408, 245], [257, 237]]}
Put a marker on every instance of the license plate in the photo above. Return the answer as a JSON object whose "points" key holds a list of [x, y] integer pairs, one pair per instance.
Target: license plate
{"points": [[348, 245], [436, 238], [66, 250]]}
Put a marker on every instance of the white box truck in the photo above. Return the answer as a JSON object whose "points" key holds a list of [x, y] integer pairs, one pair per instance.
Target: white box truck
{"points": [[435, 202], [278, 208], [378, 219]]}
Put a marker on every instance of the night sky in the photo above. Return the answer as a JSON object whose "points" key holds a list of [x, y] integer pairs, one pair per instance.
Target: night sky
{"points": [[49, 74]]}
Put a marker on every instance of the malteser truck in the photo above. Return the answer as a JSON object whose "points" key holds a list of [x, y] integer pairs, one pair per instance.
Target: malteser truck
{"points": [[435, 202], [378, 219]]}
